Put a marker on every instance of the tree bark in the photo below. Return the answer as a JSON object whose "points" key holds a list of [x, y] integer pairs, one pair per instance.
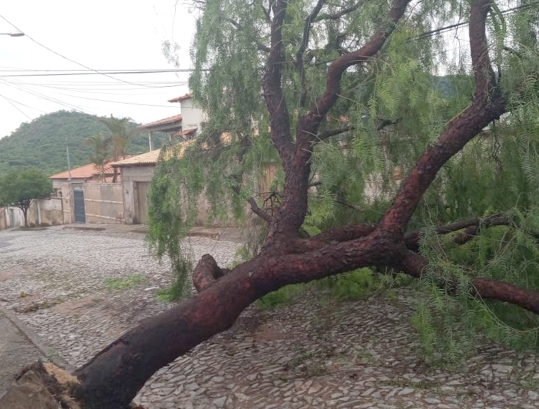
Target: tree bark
{"points": [[113, 377]]}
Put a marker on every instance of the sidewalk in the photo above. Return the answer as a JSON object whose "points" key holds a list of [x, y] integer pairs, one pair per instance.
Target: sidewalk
{"points": [[234, 234], [16, 351], [19, 346]]}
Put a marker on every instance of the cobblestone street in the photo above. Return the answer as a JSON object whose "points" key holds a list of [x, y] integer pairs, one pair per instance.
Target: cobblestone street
{"points": [[79, 290]]}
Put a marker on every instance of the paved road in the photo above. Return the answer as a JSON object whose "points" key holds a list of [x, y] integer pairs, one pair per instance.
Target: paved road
{"points": [[79, 290]]}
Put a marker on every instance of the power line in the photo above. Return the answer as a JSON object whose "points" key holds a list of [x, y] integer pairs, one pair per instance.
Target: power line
{"points": [[10, 101], [95, 90], [120, 102], [94, 72], [464, 23], [50, 99], [63, 56], [108, 71]]}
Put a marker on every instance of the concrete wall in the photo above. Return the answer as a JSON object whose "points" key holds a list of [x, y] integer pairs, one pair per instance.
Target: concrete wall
{"points": [[46, 211], [67, 203], [57, 185], [192, 117], [11, 217], [103, 202], [3, 219], [131, 175]]}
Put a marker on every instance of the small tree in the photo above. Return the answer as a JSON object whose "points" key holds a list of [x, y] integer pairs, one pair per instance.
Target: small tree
{"points": [[121, 133], [100, 152], [20, 188]]}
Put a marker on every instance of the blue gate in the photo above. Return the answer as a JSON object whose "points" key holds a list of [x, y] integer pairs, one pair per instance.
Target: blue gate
{"points": [[80, 212]]}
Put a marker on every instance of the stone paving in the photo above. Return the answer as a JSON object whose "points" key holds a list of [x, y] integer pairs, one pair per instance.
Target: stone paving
{"points": [[313, 353]]}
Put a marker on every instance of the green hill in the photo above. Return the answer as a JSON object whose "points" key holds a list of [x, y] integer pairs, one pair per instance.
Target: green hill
{"points": [[41, 143]]}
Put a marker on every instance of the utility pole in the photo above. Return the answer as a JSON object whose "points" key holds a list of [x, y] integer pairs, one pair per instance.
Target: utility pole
{"points": [[68, 162]]}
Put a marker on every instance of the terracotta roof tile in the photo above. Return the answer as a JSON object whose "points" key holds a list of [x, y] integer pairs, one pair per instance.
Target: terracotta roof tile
{"points": [[83, 172], [164, 121], [185, 132], [182, 98], [148, 158], [151, 158]]}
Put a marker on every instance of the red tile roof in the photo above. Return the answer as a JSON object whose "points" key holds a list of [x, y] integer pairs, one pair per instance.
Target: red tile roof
{"points": [[182, 98], [83, 172], [165, 121], [187, 132], [151, 158], [148, 158]]}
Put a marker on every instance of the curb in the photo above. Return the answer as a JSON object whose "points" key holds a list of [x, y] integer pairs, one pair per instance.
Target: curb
{"points": [[49, 354]]}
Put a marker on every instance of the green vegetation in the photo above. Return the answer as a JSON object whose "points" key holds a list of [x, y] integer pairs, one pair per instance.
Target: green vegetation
{"points": [[282, 296], [20, 188], [41, 143], [393, 107], [172, 293], [133, 280]]}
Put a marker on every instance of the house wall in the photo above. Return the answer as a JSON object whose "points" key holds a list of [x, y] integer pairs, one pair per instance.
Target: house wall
{"points": [[192, 116], [103, 202], [57, 185], [131, 176]]}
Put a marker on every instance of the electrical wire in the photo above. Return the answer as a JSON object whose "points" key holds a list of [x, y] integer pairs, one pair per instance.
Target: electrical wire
{"points": [[95, 90], [47, 98], [120, 102], [64, 57], [10, 101], [58, 73], [464, 23]]}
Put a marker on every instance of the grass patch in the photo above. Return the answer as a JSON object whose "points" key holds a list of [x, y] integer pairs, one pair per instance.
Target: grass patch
{"points": [[282, 296], [133, 280], [169, 294]]}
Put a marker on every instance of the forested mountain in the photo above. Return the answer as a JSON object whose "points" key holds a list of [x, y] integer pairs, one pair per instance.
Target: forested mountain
{"points": [[41, 143]]}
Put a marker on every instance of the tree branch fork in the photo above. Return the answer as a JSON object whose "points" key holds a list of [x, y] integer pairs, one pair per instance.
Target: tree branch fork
{"points": [[287, 259]]}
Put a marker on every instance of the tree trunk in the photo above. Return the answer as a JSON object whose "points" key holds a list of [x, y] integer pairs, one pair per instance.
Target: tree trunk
{"points": [[115, 375], [25, 215]]}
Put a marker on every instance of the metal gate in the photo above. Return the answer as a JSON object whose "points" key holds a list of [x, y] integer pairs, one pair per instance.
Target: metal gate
{"points": [[80, 212]]}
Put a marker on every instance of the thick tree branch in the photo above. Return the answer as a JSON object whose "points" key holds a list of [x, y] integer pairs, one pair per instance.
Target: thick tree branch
{"points": [[300, 62], [207, 272], [412, 238], [309, 123], [214, 310], [488, 105], [332, 236], [273, 92], [486, 288], [297, 165]]}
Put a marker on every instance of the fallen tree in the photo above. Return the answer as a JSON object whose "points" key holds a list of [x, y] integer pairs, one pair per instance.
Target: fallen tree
{"points": [[287, 255]]}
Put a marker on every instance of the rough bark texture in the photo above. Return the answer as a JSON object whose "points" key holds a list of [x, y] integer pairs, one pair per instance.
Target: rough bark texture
{"points": [[114, 376]]}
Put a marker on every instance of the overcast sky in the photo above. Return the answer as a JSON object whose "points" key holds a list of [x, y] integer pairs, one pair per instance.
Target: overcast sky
{"points": [[98, 35]]}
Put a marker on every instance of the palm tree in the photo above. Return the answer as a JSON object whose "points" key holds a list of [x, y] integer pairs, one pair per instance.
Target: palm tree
{"points": [[121, 133], [100, 152]]}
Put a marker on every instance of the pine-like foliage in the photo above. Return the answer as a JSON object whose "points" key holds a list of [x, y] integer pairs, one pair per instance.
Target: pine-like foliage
{"points": [[394, 106]]}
